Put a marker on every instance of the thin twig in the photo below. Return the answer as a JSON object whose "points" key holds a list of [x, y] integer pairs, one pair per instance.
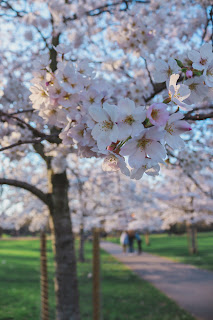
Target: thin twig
{"points": [[20, 142]]}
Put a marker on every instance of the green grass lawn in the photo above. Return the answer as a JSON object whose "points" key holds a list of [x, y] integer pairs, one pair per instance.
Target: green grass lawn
{"points": [[176, 248], [124, 295]]}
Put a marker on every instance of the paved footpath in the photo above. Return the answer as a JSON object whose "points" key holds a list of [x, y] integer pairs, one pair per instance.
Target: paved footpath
{"points": [[190, 287]]}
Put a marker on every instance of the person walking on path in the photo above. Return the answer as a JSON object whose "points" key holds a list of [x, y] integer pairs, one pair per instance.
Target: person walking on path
{"points": [[124, 240], [131, 235], [139, 242]]}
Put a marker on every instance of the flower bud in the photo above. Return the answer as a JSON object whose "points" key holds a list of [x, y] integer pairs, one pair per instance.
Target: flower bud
{"points": [[189, 73]]}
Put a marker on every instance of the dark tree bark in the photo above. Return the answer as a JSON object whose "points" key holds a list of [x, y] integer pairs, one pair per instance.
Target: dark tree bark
{"points": [[66, 284], [81, 255], [192, 240]]}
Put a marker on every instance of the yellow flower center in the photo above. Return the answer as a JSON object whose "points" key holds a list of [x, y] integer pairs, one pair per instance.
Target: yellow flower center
{"points": [[108, 125], [154, 114], [129, 120], [58, 91], [67, 96], [203, 61], [142, 143], [91, 100], [65, 79], [169, 128]]}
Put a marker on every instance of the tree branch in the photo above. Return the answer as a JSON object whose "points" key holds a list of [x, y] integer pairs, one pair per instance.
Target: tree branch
{"points": [[21, 111], [106, 8], [198, 185], [159, 87], [201, 116], [20, 142], [24, 185], [52, 138]]}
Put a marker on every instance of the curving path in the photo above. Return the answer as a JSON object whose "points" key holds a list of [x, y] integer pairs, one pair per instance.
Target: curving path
{"points": [[190, 287]]}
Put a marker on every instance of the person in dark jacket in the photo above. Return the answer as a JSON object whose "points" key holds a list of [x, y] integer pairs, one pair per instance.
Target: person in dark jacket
{"points": [[131, 235], [139, 242]]}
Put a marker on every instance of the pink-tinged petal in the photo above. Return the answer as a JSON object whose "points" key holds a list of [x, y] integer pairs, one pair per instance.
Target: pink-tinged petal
{"points": [[194, 56], [189, 74], [126, 105], [158, 114], [174, 141], [175, 116], [181, 127], [98, 114], [156, 151], [137, 159]]}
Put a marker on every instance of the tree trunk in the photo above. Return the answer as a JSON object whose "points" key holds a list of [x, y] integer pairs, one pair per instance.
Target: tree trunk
{"points": [[44, 278], [66, 284], [192, 240], [147, 238], [81, 255]]}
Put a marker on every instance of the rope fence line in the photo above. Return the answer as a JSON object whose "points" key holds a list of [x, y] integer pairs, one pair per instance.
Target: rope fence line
{"points": [[44, 278]]}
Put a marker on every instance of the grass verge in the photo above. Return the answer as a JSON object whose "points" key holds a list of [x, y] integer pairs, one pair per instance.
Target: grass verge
{"points": [[176, 248], [124, 295]]}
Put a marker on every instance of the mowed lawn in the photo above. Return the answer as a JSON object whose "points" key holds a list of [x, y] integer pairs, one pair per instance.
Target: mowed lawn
{"points": [[176, 248], [124, 295]]}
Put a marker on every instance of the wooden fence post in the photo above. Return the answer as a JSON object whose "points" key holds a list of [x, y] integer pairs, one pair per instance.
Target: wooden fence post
{"points": [[96, 275], [147, 238], [44, 278]]}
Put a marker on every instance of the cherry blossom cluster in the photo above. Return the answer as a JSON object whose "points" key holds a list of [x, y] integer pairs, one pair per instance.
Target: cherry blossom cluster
{"points": [[195, 68], [75, 100], [134, 35]]}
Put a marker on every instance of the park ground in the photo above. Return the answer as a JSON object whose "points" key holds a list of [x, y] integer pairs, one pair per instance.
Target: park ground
{"points": [[124, 295], [175, 247]]}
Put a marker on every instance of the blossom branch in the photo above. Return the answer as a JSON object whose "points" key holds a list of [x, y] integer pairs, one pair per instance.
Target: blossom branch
{"points": [[202, 116], [20, 142], [149, 74], [21, 111], [24, 185], [198, 185], [105, 8], [53, 138]]}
